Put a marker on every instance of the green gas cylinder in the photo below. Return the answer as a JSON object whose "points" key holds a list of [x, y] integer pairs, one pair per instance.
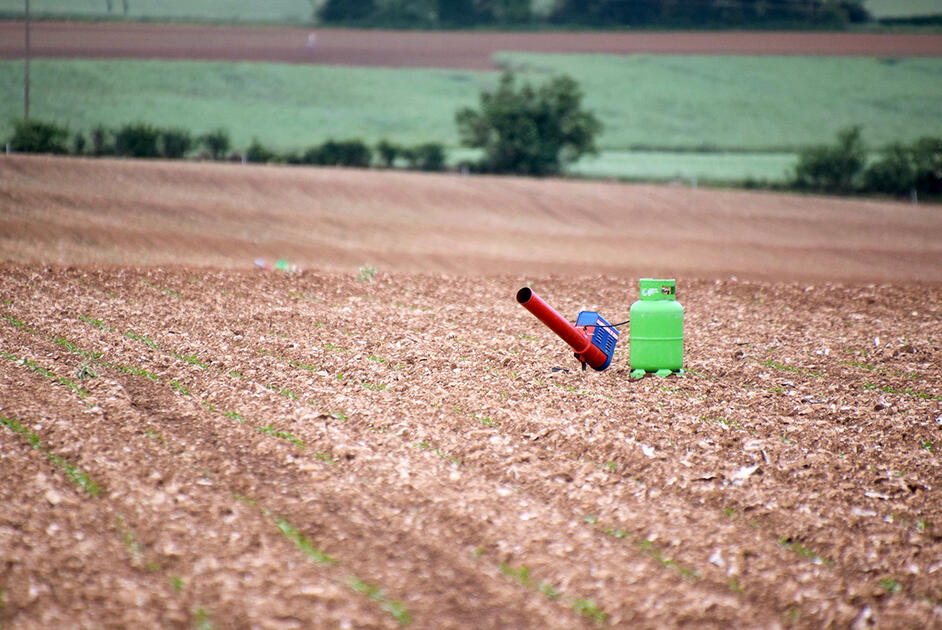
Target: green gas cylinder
{"points": [[657, 329]]}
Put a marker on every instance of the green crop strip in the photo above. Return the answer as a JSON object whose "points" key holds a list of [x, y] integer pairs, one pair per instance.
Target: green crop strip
{"points": [[75, 475], [284, 435], [790, 368], [97, 323], [804, 552], [301, 542], [648, 547], [143, 339], [19, 324], [35, 367], [192, 359], [394, 608], [902, 392], [588, 609]]}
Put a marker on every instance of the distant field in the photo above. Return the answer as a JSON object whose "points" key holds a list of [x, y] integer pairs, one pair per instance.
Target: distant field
{"points": [[689, 167], [749, 103], [903, 8], [712, 104], [208, 10]]}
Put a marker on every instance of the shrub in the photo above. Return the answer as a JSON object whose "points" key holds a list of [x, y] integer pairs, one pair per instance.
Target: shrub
{"points": [[531, 131], [79, 143], [894, 174], [428, 157], [101, 144], [927, 154], [340, 153], [217, 143], [388, 152], [174, 143], [137, 140], [833, 168], [259, 153], [36, 136]]}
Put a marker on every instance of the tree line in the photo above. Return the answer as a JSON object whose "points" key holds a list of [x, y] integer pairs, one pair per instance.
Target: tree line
{"points": [[143, 140], [591, 13]]}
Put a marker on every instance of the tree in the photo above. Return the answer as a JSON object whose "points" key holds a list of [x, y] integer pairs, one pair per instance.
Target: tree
{"points": [[894, 173], [833, 168], [36, 136], [174, 143], [427, 157], [217, 143], [347, 10], [388, 152], [531, 131], [137, 140]]}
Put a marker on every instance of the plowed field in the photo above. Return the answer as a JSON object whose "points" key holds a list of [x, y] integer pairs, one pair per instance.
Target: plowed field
{"points": [[187, 441], [428, 49]]}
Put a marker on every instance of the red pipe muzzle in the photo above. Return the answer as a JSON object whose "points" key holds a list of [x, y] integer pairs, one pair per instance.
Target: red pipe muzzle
{"points": [[585, 350]]}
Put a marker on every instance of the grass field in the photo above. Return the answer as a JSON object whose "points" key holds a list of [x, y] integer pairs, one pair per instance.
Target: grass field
{"points": [[714, 105]]}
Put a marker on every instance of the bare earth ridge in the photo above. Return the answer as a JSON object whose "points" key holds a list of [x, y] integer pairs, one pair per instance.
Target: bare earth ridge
{"points": [[189, 441], [431, 49]]}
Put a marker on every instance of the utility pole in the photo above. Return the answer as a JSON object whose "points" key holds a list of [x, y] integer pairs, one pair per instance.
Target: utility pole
{"points": [[26, 73]]}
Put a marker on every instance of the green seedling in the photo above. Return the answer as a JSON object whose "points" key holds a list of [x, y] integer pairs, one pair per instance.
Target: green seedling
{"points": [[616, 533], [85, 371], [201, 619], [366, 273], [129, 541], [928, 446], [790, 368], [376, 359], [35, 367], [143, 339], [338, 415], [903, 392], [301, 542], [803, 551], [303, 366], [192, 359], [889, 585], [74, 475], [132, 370], [394, 608], [521, 574], [235, 415], [735, 586], [649, 547], [180, 388], [549, 591], [591, 519], [324, 457], [19, 324], [478, 552], [486, 421], [235, 374], [588, 609], [376, 388], [97, 323], [284, 435]]}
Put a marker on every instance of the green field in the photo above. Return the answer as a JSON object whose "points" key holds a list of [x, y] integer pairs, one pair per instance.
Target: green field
{"points": [[903, 8], [749, 103], [291, 11], [727, 117]]}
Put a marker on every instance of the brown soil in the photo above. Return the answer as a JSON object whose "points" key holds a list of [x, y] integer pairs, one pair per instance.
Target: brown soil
{"points": [[80, 211], [434, 49], [314, 450]]}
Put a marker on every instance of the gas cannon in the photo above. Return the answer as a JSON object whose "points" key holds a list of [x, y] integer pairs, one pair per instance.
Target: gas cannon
{"points": [[592, 338], [656, 342]]}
